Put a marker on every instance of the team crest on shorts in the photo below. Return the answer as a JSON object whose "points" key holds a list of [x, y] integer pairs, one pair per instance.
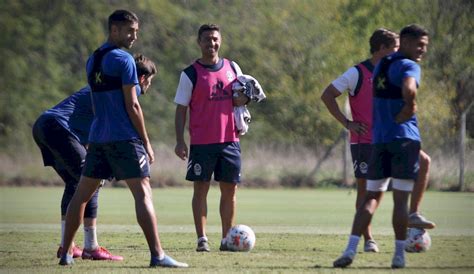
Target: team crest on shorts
{"points": [[197, 169], [363, 167], [229, 75]]}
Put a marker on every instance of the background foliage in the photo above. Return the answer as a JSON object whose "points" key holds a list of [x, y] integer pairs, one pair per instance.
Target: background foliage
{"points": [[295, 49]]}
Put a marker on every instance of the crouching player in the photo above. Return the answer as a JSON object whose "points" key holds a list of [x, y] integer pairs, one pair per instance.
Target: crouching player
{"points": [[61, 133]]}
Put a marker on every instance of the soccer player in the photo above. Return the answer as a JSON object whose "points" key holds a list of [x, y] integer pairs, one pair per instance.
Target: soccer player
{"points": [[358, 81], [118, 142], [206, 88], [61, 133], [396, 141]]}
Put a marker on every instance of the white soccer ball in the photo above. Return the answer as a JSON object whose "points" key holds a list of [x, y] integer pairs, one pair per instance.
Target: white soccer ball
{"points": [[240, 238], [418, 240]]}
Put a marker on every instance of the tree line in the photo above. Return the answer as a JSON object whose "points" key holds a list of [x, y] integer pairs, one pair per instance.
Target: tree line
{"points": [[294, 48]]}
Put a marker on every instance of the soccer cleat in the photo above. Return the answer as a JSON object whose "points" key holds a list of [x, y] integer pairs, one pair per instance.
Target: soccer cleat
{"points": [[167, 261], [345, 260], [224, 247], [398, 262], [66, 259], [371, 246], [417, 220], [76, 252], [203, 246], [100, 254]]}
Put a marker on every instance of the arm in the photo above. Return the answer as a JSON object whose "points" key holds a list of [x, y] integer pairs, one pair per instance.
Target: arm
{"points": [[409, 90], [181, 149], [135, 113], [329, 98]]}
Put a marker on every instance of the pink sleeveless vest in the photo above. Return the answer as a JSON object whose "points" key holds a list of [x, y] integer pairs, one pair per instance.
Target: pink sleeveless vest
{"points": [[361, 106], [211, 118]]}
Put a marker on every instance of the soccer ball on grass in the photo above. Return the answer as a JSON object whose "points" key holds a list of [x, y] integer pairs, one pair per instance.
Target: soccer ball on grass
{"points": [[240, 238], [418, 240]]}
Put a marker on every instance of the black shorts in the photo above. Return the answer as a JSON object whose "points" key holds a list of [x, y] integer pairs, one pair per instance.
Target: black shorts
{"points": [[397, 159], [221, 159], [59, 148], [360, 159], [122, 159]]}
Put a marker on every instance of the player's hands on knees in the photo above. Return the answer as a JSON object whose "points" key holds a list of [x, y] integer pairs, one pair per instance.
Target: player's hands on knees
{"points": [[357, 127], [181, 150], [239, 98], [151, 154]]}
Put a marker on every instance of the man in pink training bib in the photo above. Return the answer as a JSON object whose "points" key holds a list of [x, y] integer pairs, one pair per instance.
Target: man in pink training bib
{"points": [[357, 80], [205, 87]]}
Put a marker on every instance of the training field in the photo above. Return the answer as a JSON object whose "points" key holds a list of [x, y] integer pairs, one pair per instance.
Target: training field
{"points": [[297, 231]]}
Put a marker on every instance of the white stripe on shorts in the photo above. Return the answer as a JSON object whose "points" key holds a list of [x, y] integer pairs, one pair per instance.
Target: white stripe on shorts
{"points": [[142, 161], [190, 164]]}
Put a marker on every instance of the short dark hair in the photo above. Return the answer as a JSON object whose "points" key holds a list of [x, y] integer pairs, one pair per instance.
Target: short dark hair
{"points": [[207, 27], [381, 37], [120, 17], [413, 31], [144, 66]]}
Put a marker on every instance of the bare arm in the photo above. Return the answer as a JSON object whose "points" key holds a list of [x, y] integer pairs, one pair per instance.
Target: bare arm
{"points": [[135, 113], [181, 148], [329, 98], [409, 90]]}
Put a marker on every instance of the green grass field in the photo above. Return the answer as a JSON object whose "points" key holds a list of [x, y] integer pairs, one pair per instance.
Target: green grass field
{"points": [[297, 231]]}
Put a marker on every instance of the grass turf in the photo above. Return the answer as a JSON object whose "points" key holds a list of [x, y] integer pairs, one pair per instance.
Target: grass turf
{"points": [[297, 231]]}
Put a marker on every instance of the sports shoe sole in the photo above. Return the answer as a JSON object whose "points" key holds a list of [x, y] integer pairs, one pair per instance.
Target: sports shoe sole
{"points": [[169, 263], [422, 225]]}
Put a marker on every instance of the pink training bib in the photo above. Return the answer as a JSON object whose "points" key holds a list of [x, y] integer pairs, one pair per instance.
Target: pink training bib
{"points": [[361, 107], [211, 111]]}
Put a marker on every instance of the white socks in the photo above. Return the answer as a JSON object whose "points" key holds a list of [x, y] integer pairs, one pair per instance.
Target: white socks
{"points": [[90, 238], [351, 248], [63, 226], [400, 248]]}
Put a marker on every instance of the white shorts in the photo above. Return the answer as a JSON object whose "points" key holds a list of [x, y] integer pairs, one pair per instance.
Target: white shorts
{"points": [[381, 185]]}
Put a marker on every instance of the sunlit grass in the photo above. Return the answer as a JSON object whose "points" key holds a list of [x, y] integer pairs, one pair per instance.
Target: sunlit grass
{"points": [[298, 231]]}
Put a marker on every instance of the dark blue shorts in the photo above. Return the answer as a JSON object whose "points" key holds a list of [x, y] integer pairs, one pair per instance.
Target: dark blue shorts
{"points": [[63, 151], [221, 159], [121, 159], [397, 159], [360, 159], [59, 148]]}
